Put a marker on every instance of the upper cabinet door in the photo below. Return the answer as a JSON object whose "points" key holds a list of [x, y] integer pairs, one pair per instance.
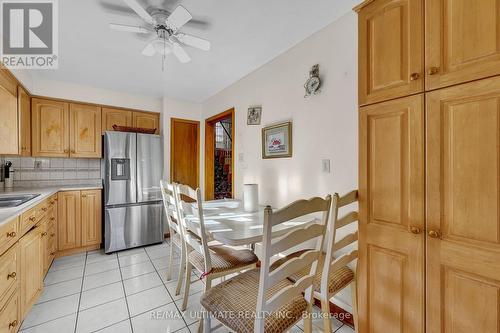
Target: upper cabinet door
{"points": [[112, 117], [391, 216], [463, 205], [24, 106], [462, 41], [85, 130], [146, 120], [50, 128], [9, 132], [390, 50]]}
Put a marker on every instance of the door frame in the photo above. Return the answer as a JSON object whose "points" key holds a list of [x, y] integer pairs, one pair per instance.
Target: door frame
{"points": [[210, 151], [172, 143]]}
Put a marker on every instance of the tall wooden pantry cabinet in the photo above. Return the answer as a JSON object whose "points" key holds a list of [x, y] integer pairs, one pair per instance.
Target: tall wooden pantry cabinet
{"points": [[429, 166]]}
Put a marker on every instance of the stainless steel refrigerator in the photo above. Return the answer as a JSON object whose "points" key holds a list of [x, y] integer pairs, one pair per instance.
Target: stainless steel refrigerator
{"points": [[133, 168]]}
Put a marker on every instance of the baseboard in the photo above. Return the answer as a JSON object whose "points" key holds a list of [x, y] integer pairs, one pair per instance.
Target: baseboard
{"points": [[77, 250]]}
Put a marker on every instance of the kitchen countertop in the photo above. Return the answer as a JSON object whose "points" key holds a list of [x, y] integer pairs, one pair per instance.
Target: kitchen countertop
{"points": [[7, 214]]}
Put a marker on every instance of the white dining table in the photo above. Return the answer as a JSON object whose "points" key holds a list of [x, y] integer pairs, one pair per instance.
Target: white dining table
{"points": [[227, 222]]}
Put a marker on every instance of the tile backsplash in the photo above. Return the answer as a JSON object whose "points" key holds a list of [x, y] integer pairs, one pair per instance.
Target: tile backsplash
{"points": [[46, 171]]}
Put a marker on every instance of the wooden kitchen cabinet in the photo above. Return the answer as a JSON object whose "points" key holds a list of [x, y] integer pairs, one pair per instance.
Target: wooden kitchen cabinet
{"points": [[391, 216], [91, 217], [112, 117], [9, 274], [10, 318], [85, 130], [50, 128], [146, 120], [24, 109], [463, 201], [68, 226], [31, 268], [462, 41], [391, 49], [9, 120]]}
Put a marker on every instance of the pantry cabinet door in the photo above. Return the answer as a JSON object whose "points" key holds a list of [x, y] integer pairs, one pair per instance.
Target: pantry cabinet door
{"points": [[391, 50], [85, 131], [463, 205], [91, 217], [391, 217], [50, 128], [462, 41]]}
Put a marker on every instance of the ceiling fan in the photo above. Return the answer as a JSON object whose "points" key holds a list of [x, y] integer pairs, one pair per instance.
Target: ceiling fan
{"points": [[166, 29]]}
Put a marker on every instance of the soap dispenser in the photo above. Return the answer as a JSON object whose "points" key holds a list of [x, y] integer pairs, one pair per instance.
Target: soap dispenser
{"points": [[9, 174]]}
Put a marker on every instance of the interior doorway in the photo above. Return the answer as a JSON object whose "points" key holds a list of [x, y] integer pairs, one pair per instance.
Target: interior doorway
{"points": [[219, 156], [185, 152]]}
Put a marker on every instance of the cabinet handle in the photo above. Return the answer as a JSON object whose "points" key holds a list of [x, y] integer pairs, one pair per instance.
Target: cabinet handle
{"points": [[11, 234], [73, 151], [433, 70], [44, 234], [52, 253], [13, 324], [52, 218], [414, 77], [415, 230], [52, 202], [52, 235], [434, 234], [11, 275], [44, 209], [84, 195], [32, 218], [66, 150]]}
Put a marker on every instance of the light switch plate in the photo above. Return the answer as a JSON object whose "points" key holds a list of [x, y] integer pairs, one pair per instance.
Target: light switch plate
{"points": [[241, 157], [325, 165]]}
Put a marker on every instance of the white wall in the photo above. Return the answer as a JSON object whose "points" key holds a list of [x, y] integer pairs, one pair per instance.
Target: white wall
{"points": [[85, 93], [324, 126], [176, 109]]}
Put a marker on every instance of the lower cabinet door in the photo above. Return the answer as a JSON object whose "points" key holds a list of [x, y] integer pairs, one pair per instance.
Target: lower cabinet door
{"points": [[31, 268], [463, 204], [91, 217], [10, 319], [68, 224], [391, 217]]}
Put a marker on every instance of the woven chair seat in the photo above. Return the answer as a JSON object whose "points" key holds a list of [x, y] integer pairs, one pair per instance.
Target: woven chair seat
{"points": [[234, 302], [223, 258], [336, 281]]}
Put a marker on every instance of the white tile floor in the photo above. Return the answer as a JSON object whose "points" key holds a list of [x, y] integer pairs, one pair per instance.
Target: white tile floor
{"points": [[95, 292]]}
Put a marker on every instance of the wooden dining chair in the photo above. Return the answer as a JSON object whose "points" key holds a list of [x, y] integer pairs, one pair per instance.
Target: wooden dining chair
{"points": [[265, 300], [211, 261], [177, 241], [335, 274]]}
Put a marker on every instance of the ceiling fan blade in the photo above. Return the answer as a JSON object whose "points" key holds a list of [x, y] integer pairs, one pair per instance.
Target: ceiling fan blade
{"points": [[179, 17], [140, 11], [129, 28], [181, 54], [194, 41], [149, 50]]}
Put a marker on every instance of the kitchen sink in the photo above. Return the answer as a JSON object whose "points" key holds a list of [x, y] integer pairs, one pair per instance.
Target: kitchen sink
{"points": [[8, 201]]}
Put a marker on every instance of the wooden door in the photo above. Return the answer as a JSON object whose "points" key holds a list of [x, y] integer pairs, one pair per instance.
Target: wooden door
{"points": [[85, 130], [391, 50], [31, 268], [69, 220], [146, 120], [463, 205], [462, 41], [391, 217], [118, 117], [24, 106], [49, 128], [91, 217], [185, 152], [9, 130]]}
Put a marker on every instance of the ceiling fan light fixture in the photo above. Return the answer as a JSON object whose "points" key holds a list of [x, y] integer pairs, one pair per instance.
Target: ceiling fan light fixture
{"points": [[162, 46]]}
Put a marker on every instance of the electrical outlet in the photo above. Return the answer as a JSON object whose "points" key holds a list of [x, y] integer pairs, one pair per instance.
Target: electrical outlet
{"points": [[325, 165], [38, 164]]}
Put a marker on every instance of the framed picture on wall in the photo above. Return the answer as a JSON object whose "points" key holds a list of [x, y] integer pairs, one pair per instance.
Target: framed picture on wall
{"points": [[254, 115], [277, 141]]}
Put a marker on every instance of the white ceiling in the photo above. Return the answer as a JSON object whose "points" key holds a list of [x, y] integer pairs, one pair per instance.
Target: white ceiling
{"points": [[245, 34]]}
